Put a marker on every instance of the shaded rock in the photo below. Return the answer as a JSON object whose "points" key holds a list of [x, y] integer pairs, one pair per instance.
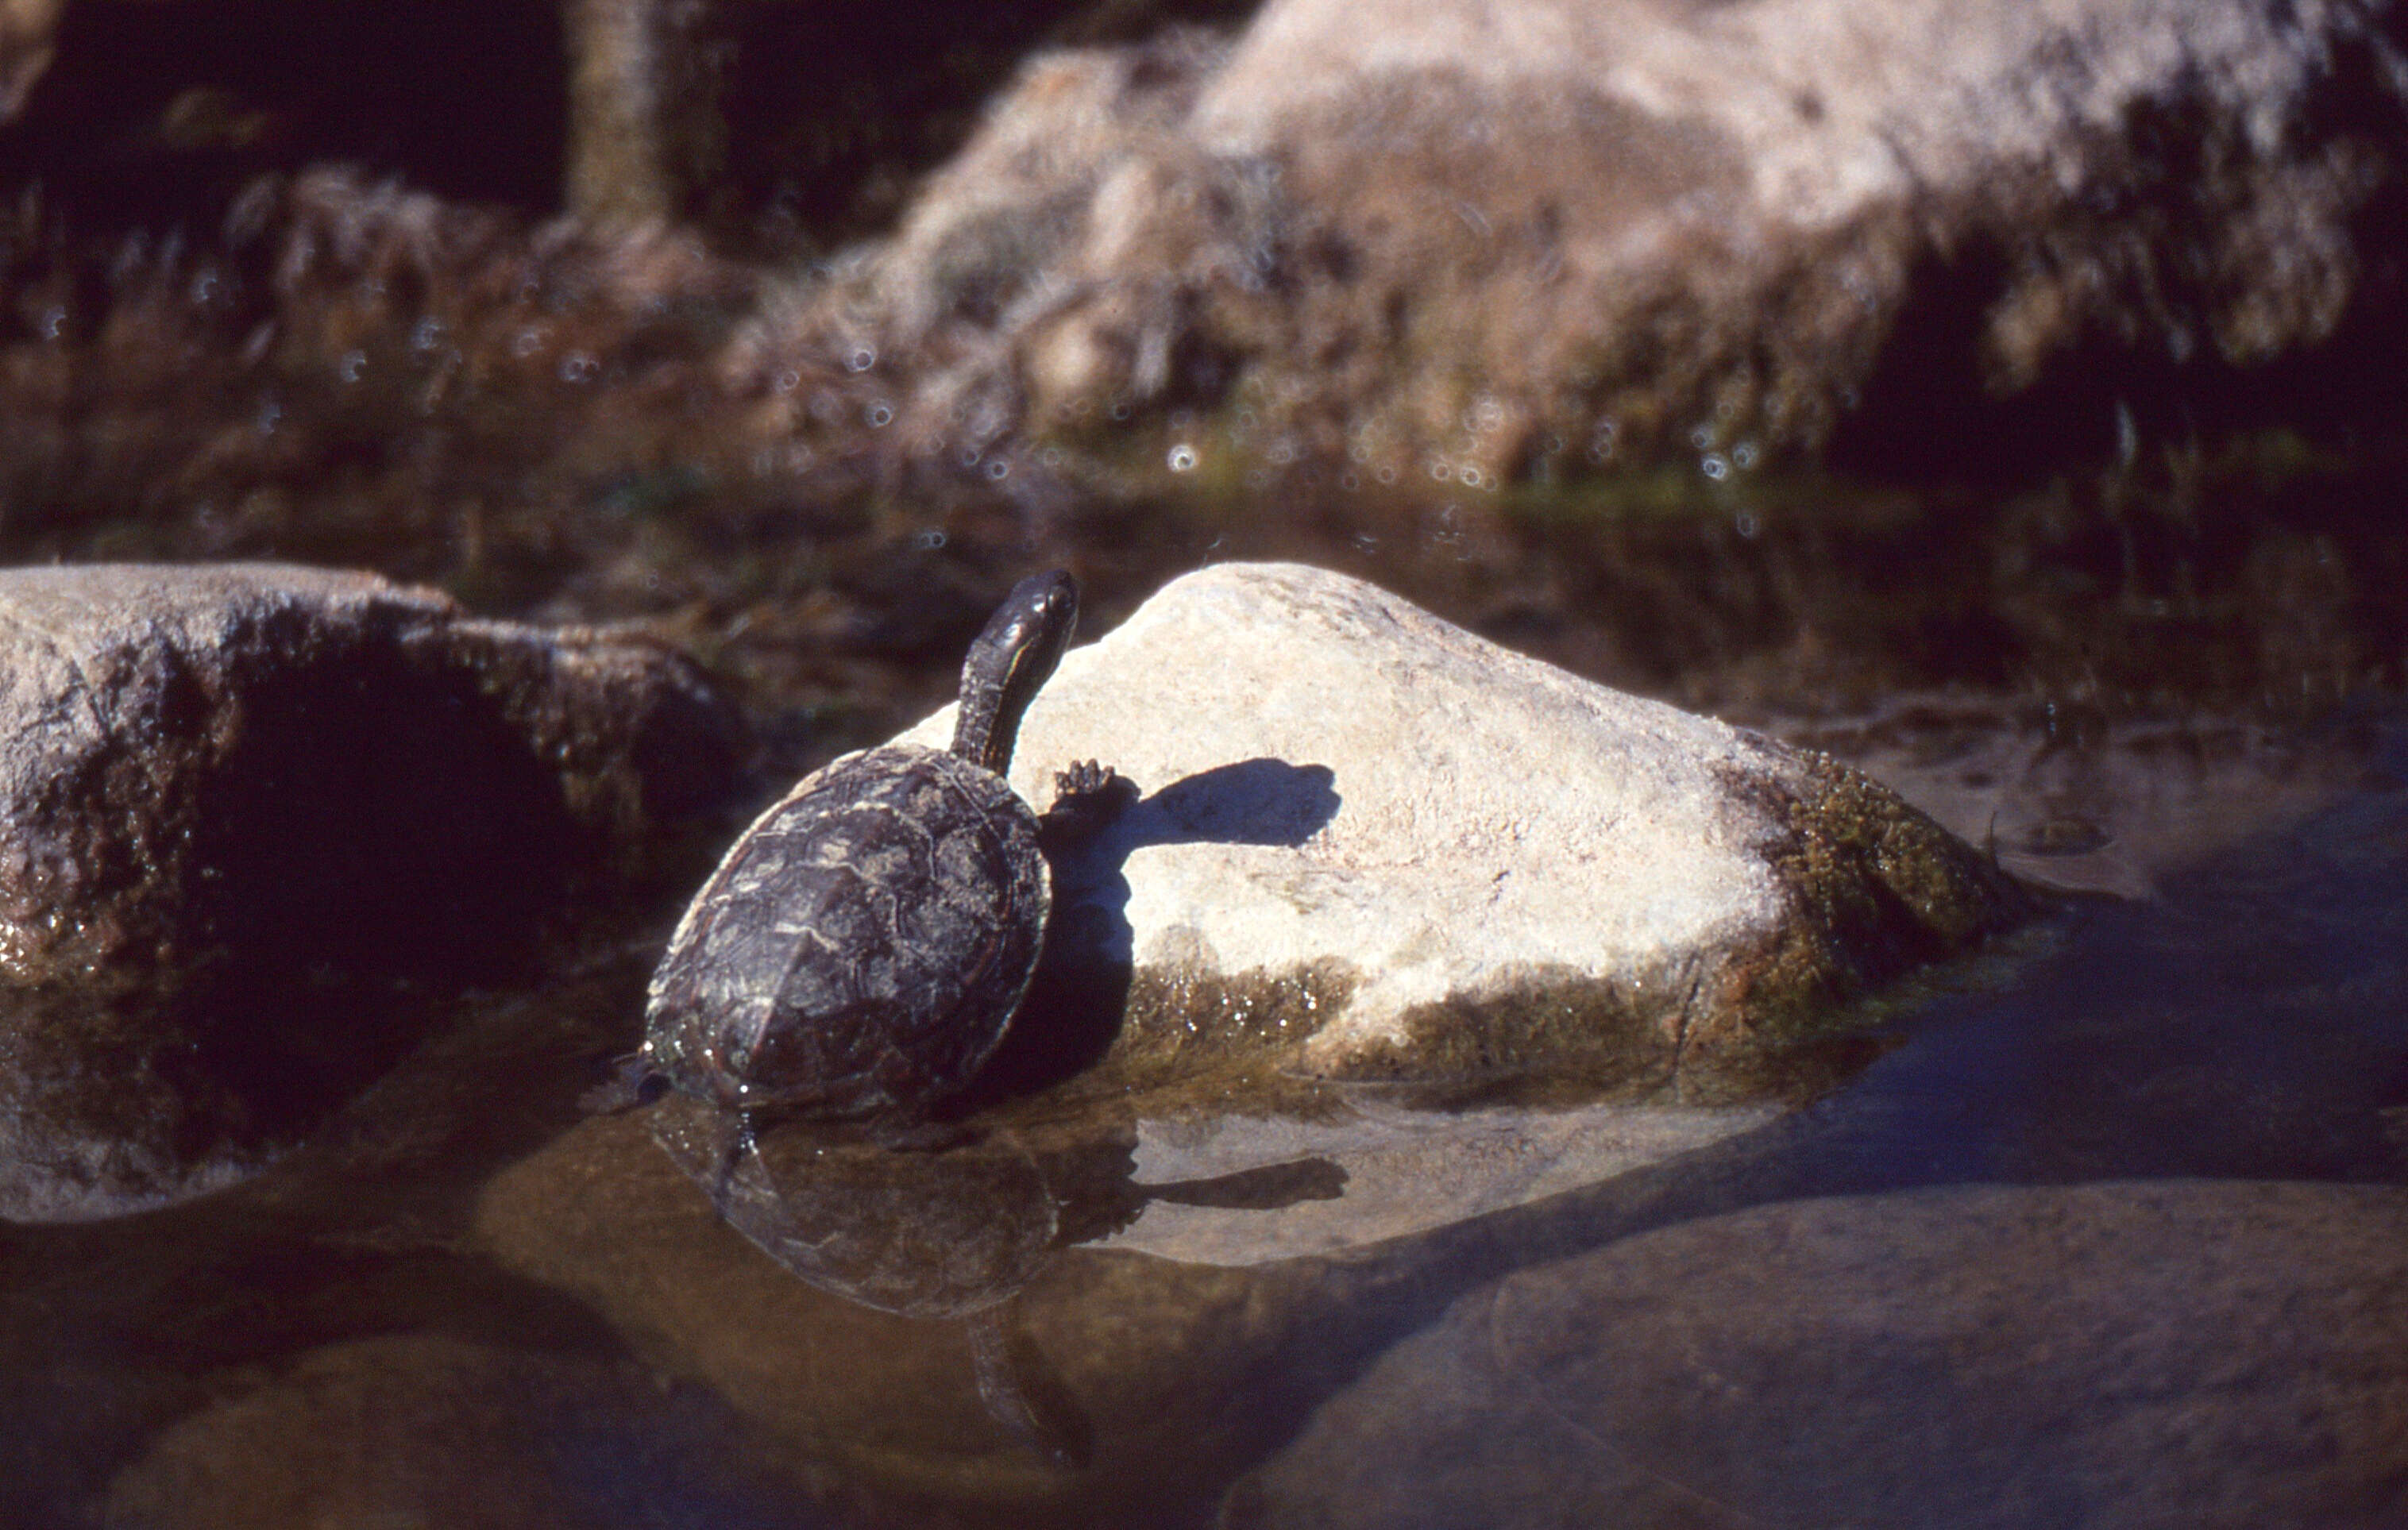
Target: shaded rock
{"points": [[1373, 845], [758, 117], [2174, 1353], [432, 1430], [248, 755], [239, 804], [159, 110], [1479, 237]]}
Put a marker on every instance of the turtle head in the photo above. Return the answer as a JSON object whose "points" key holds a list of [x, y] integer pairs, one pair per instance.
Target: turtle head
{"points": [[1017, 654]]}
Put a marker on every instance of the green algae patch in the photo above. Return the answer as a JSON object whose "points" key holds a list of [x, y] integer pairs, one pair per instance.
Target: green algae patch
{"points": [[1608, 1036], [1872, 888], [1183, 1020], [1558, 1037]]}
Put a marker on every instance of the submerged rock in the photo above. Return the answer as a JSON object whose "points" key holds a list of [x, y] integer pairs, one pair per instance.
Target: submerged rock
{"points": [[1371, 845], [2191, 1353], [243, 809], [1486, 235], [435, 1429]]}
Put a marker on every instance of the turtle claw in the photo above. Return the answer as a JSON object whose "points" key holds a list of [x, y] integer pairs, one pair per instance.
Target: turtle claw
{"points": [[1086, 797], [1081, 778]]}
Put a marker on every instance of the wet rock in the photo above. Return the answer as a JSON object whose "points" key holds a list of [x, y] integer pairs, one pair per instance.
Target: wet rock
{"points": [[424, 1429], [1485, 236], [1372, 845], [2176, 1353], [247, 812]]}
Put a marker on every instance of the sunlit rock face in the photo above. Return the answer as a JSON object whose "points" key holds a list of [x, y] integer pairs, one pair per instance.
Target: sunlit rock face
{"points": [[1589, 230], [1372, 845], [247, 811]]}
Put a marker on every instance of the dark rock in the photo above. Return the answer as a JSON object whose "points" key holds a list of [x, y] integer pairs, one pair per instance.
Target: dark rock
{"points": [[239, 804], [159, 112], [2183, 1353]]}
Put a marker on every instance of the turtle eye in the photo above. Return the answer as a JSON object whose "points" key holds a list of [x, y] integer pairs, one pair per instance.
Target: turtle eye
{"points": [[651, 1087]]}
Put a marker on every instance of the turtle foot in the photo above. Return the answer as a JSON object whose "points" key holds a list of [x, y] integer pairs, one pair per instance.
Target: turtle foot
{"points": [[1086, 797], [1081, 778]]}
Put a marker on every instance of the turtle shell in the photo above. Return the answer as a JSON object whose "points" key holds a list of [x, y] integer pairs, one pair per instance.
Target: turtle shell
{"points": [[862, 947]]}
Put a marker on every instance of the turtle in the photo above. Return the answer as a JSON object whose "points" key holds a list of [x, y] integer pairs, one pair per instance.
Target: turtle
{"points": [[860, 951]]}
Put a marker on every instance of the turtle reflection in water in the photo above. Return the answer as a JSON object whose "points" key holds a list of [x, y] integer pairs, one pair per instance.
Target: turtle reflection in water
{"points": [[942, 1237], [860, 951]]}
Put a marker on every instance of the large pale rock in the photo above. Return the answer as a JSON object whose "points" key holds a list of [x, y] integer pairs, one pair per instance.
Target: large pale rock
{"points": [[1376, 845], [1481, 235], [2181, 1353], [244, 810]]}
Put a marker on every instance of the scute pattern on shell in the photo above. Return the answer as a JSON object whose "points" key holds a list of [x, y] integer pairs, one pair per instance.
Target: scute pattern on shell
{"points": [[862, 947]]}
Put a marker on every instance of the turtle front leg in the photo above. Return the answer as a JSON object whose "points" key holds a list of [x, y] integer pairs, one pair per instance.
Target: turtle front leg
{"points": [[1087, 796]]}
